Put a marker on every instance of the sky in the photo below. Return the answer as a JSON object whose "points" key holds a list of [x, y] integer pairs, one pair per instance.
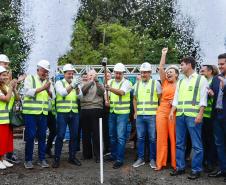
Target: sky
{"points": [[210, 21]]}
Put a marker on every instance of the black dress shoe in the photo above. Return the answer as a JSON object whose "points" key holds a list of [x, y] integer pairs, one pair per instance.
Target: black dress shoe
{"points": [[75, 162], [208, 168], [217, 174], [224, 179], [49, 153], [117, 165], [56, 164], [177, 172], [97, 160], [194, 175], [108, 158]]}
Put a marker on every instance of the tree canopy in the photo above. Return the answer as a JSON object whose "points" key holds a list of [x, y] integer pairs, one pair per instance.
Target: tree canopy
{"points": [[130, 31], [12, 43]]}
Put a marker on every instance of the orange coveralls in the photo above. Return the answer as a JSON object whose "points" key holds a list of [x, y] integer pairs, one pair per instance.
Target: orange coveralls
{"points": [[166, 127]]}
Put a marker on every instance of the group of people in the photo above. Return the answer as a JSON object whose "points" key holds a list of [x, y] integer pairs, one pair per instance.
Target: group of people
{"points": [[164, 110]]}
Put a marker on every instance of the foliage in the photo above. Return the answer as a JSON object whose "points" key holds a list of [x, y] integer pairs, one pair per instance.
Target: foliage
{"points": [[11, 38], [134, 31]]}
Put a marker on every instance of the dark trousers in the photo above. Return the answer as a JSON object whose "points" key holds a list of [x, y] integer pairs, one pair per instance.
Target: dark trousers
{"points": [[51, 123], [35, 126], [208, 142], [71, 120], [90, 132], [219, 129]]}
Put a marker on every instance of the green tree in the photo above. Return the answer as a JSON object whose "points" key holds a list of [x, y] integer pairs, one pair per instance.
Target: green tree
{"points": [[136, 31], [11, 38]]}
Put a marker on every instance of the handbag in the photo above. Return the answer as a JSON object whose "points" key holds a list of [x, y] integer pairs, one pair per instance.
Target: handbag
{"points": [[15, 115]]}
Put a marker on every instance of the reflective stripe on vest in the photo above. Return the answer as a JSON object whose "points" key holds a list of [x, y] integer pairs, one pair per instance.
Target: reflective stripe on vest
{"points": [[67, 103], [119, 104], [189, 97], [4, 113], [38, 104], [147, 98]]}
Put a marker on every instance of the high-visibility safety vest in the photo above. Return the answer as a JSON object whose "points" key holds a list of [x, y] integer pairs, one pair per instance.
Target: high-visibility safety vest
{"points": [[119, 104], [68, 103], [147, 98], [208, 108], [5, 108], [38, 104], [189, 97], [52, 106]]}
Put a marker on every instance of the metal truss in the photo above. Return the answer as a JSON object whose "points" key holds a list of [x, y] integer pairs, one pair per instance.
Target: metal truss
{"points": [[131, 69]]}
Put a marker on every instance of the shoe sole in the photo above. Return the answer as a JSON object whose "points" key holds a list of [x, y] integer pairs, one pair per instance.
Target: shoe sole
{"points": [[153, 167], [29, 167], [136, 166]]}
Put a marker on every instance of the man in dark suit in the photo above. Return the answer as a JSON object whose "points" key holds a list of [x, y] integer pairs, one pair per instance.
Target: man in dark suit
{"points": [[218, 91]]}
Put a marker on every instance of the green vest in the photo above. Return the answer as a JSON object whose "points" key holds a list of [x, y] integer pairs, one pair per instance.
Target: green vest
{"points": [[189, 97], [67, 103], [208, 109], [11, 102], [38, 104], [147, 98], [119, 104], [5, 108], [4, 113]]}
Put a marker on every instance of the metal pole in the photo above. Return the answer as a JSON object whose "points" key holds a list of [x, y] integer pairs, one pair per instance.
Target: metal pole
{"points": [[101, 152]]}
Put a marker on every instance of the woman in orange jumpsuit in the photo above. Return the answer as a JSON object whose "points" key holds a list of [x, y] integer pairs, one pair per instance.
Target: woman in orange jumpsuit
{"points": [[164, 126]]}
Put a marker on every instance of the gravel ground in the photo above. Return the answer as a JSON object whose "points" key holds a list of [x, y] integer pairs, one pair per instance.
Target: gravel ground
{"points": [[88, 173]]}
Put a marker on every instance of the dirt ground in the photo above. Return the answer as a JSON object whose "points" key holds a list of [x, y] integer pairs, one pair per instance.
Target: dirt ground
{"points": [[88, 173]]}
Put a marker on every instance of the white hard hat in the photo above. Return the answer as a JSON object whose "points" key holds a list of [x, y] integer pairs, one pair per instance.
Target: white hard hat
{"points": [[119, 67], [44, 64], [2, 69], [4, 58], [145, 67], [173, 67], [68, 67]]}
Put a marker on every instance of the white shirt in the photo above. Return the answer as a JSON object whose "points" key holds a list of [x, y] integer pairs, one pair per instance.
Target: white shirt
{"points": [[203, 90], [30, 91], [60, 89]]}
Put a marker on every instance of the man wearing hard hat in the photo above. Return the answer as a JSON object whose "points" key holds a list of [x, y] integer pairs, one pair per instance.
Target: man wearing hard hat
{"points": [[37, 91], [146, 95], [67, 93], [119, 89]]}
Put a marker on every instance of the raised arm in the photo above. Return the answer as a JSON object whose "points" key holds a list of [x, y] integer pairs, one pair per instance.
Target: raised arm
{"points": [[162, 63]]}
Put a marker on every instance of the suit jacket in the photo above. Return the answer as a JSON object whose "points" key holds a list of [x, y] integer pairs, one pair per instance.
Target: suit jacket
{"points": [[215, 86]]}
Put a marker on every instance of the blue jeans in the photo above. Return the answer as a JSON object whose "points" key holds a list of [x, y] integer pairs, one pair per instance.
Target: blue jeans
{"points": [[35, 126], [72, 120], [184, 123], [219, 127], [117, 133], [146, 124]]}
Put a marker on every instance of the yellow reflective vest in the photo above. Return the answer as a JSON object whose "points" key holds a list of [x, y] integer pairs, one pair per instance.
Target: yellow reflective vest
{"points": [[189, 97], [67, 103], [119, 104], [5, 108], [38, 104], [147, 98], [208, 109]]}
